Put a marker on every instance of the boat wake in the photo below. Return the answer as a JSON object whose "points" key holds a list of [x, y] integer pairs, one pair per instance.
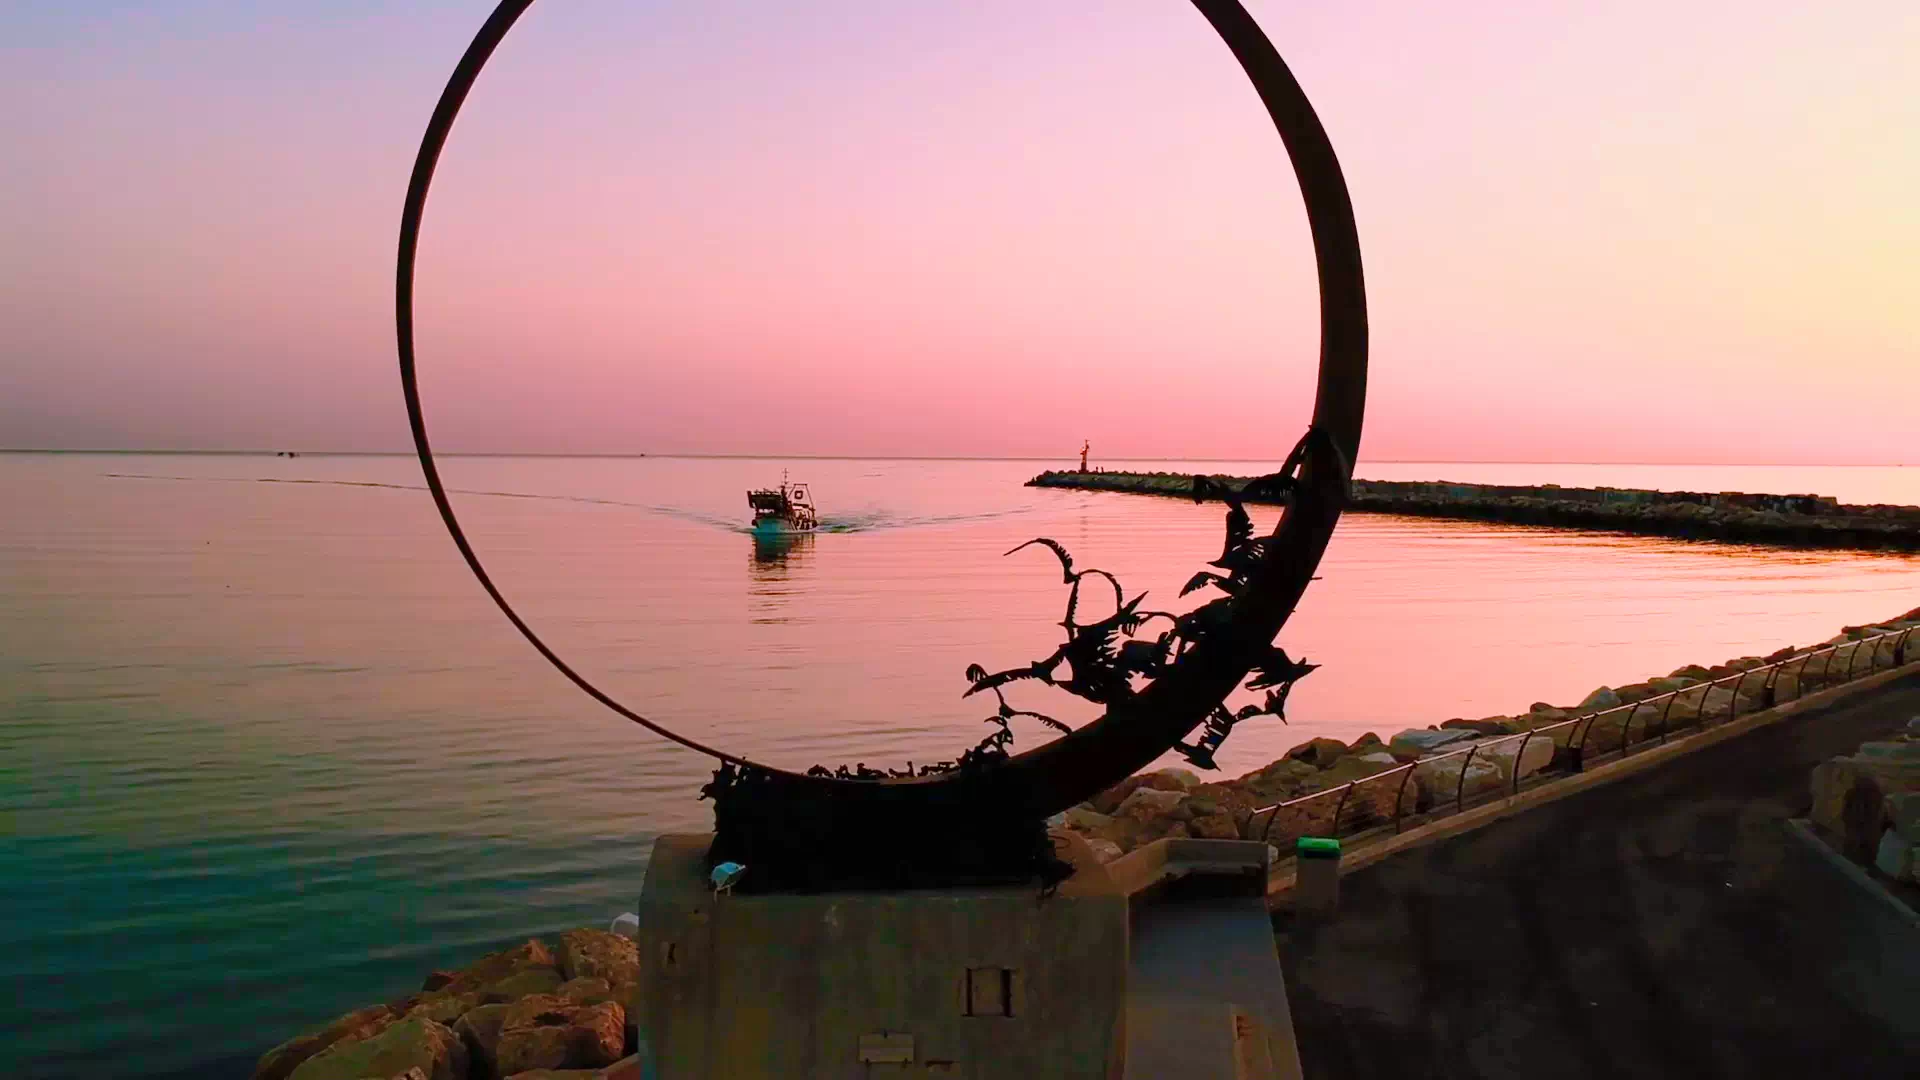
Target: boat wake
{"points": [[867, 521]]}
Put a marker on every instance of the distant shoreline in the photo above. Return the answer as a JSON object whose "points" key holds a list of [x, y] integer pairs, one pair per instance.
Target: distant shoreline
{"points": [[1796, 520]]}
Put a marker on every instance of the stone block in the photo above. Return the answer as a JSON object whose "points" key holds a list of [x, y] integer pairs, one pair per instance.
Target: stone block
{"points": [[420, 1042], [1895, 856], [1507, 754], [1416, 742], [1439, 779], [1146, 802]]}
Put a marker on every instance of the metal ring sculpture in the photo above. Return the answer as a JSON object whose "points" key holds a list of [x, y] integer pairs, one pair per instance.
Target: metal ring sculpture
{"points": [[805, 815]]}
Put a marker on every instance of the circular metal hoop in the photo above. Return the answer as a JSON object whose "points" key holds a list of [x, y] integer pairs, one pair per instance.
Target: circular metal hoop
{"points": [[1131, 735]]}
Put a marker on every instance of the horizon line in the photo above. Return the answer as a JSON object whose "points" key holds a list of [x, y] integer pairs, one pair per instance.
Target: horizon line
{"points": [[945, 457]]}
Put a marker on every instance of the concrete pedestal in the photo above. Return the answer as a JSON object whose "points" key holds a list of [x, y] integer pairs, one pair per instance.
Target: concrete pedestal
{"points": [[983, 982], [1160, 964]]}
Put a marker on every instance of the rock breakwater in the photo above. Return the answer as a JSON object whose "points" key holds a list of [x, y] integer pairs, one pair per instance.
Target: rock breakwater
{"points": [[541, 1011], [1813, 521], [1430, 771], [529, 1013]]}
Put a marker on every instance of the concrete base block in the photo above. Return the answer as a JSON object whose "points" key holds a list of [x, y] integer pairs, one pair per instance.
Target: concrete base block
{"points": [[965, 982]]}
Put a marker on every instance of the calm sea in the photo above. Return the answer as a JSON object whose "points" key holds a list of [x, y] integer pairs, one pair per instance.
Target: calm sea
{"points": [[267, 752]]}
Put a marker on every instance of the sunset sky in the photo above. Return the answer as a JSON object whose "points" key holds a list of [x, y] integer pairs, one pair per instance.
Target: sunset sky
{"points": [[1626, 231]]}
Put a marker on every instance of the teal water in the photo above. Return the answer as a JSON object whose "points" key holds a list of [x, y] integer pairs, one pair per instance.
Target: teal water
{"points": [[268, 754]]}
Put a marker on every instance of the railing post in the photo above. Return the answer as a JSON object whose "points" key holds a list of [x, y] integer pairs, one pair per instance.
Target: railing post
{"points": [[1900, 649], [1334, 829], [1800, 677], [1577, 744], [1666, 710], [1626, 729], [1460, 788], [1519, 757], [1400, 796], [1767, 690]]}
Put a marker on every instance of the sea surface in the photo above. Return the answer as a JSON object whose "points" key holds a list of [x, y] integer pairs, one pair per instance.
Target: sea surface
{"points": [[268, 753]]}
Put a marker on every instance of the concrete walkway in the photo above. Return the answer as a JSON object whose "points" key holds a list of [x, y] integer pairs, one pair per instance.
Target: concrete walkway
{"points": [[1665, 925]]}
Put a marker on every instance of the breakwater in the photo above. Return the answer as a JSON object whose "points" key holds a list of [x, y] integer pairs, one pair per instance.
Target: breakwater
{"points": [[1811, 521]]}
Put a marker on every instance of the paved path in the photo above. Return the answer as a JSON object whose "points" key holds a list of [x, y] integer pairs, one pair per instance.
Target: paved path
{"points": [[1663, 925]]}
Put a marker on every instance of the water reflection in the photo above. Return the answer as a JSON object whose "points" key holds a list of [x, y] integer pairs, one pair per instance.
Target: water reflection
{"points": [[771, 568]]}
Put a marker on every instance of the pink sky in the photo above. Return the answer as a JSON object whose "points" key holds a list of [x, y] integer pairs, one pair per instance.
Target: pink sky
{"points": [[1635, 231]]}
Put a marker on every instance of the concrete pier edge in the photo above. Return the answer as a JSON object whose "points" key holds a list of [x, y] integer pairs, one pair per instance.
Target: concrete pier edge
{"points": [[1802, 830]]}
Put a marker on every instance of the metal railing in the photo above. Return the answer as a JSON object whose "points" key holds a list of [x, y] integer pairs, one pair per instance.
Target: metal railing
{"points": [[1570, 738]]}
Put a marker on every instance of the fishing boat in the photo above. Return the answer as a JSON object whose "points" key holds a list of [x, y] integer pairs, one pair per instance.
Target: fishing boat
{"points": [[789, 509]]}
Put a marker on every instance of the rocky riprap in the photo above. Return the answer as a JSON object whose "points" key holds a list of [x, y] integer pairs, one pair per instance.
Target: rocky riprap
{"points": [[1811, 521], [541, 1012], [1178, 802], [532, 1012]]}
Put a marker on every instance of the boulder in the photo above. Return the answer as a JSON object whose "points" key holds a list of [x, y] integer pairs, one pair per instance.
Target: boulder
{"points": [[597, 954], [1082, 819], [1603, 698], [1285, 773], [1350, 769], [1487, 725], [1414, 743], [1108, 801], [1848, 802], [556, 1074], [1600, 735], [587, 990], [1367, 740], [1894, 856], [550, 1032], [1216, 827], [1370, 801], [1229, 796], [1545, 712], [1105, 850], [480, 1030], [1507, 754], [533, 980], [1438, 779], [1199, 806], [280, 1062], [1692, 671], [1318, 752], [1902, 810], [494, 967], [1148, 802], [413, 1042], [445, 1008], [1633, 692], [437, 981], [1173, 780]]}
